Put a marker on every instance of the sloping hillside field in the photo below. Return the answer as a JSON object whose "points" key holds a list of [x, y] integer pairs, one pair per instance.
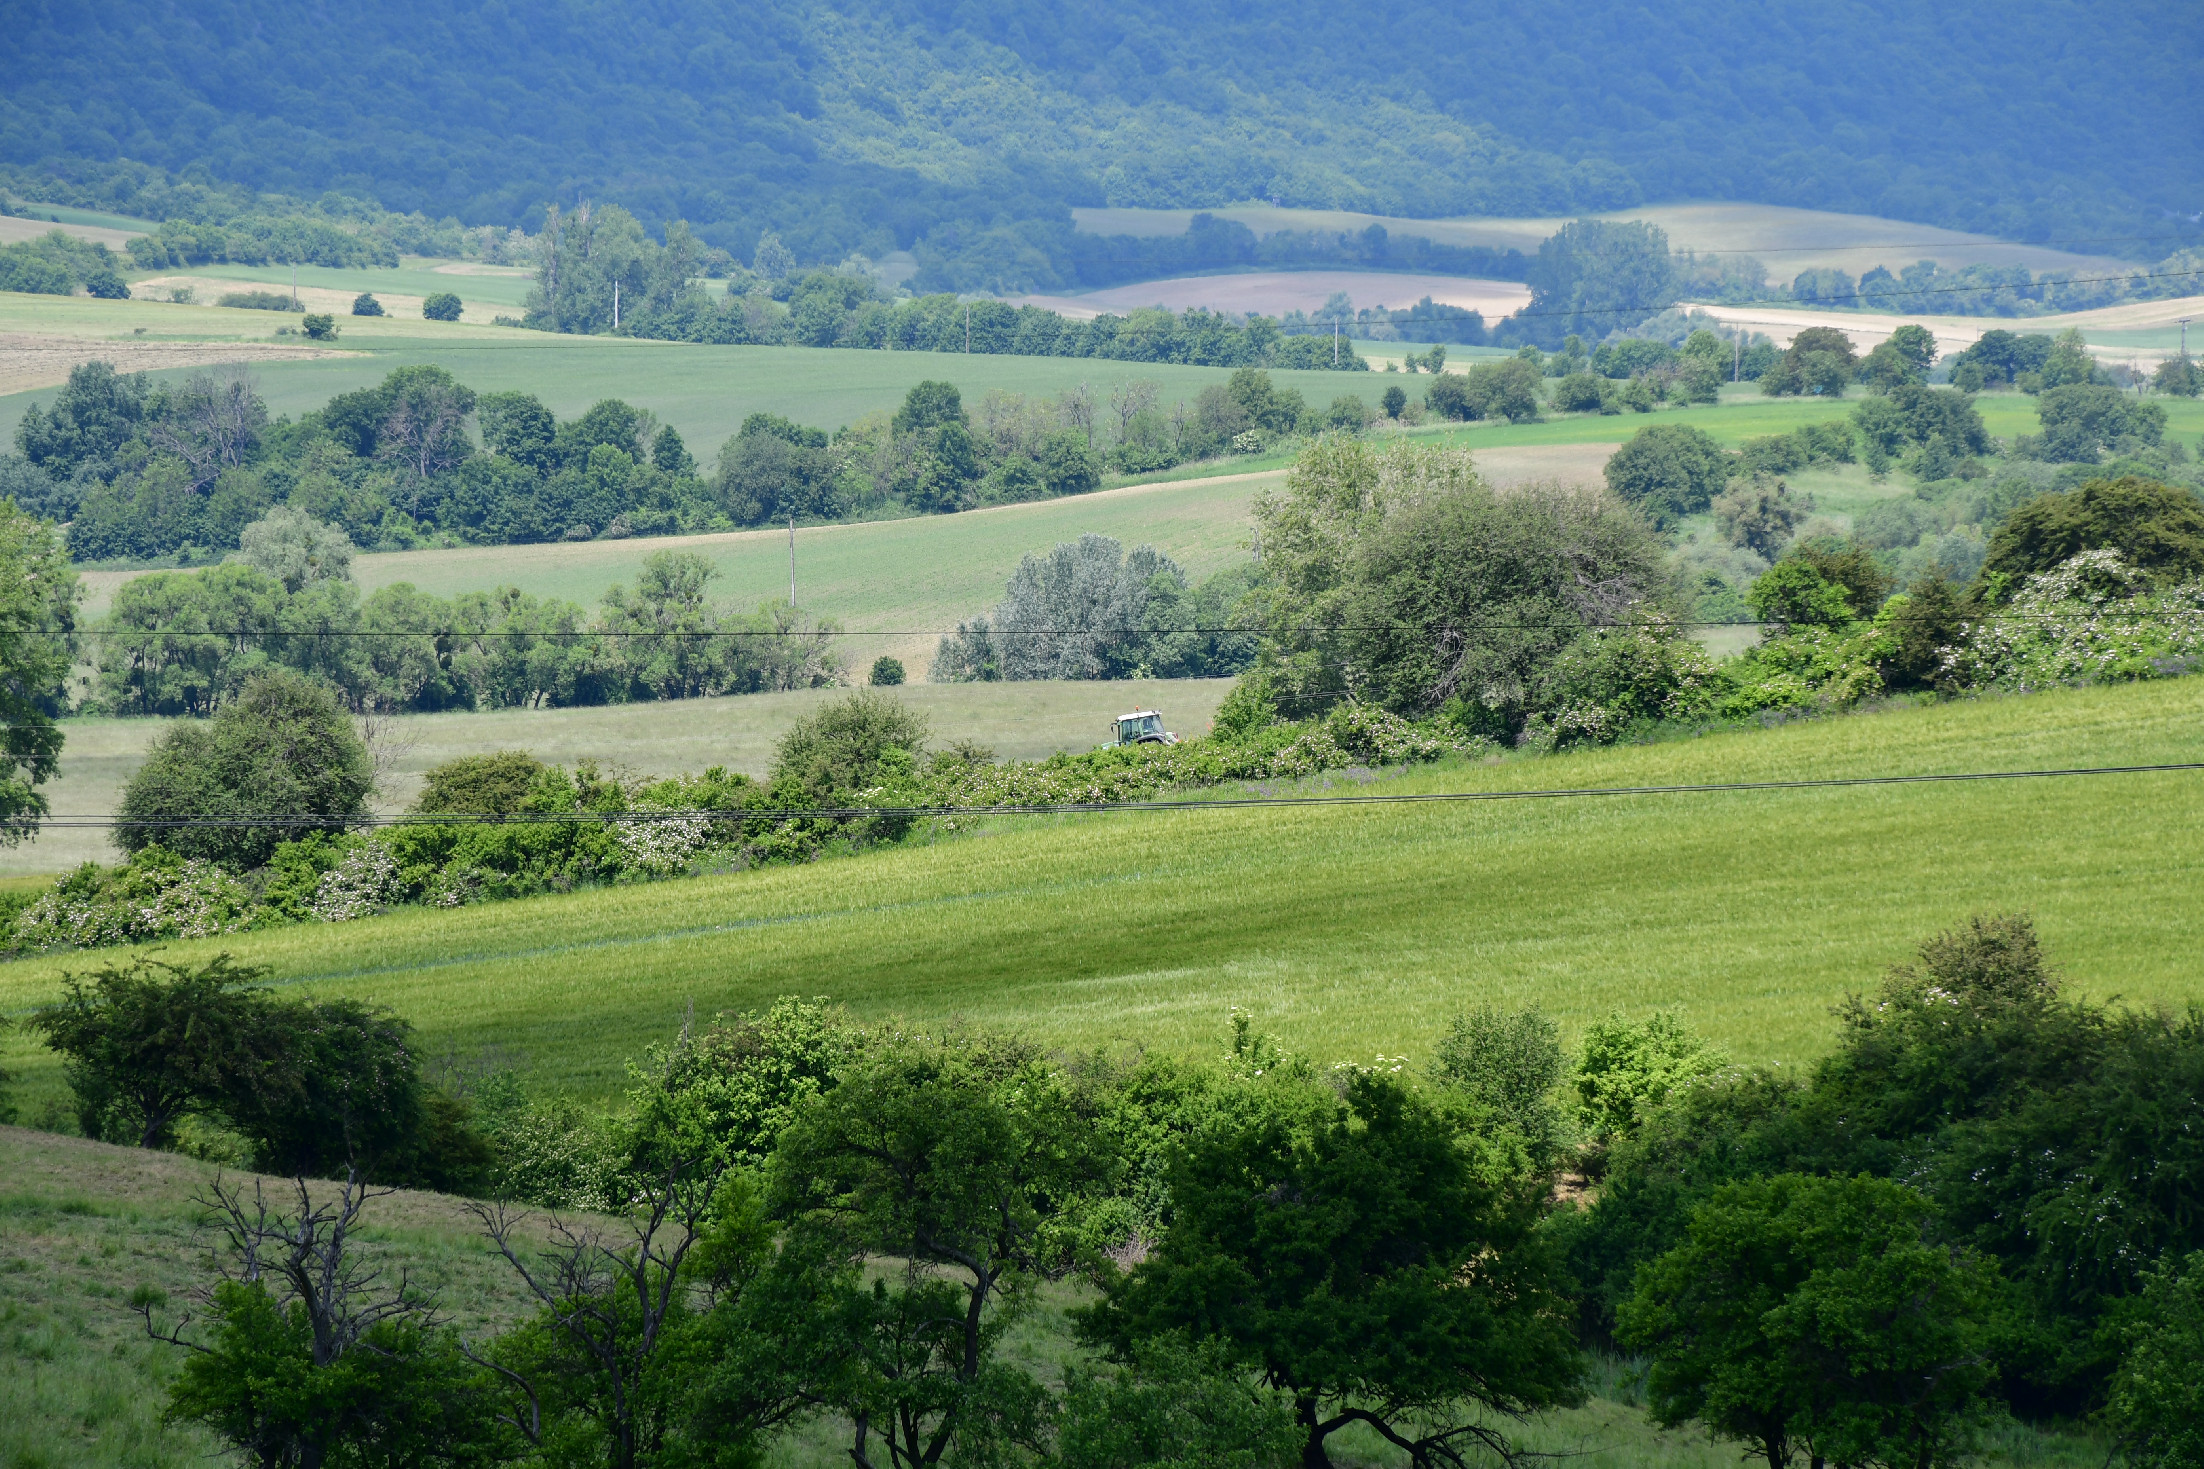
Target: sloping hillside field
{"points": [[1354, 930]]}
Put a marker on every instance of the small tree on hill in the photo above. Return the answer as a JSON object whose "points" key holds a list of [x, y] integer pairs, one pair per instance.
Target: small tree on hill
{"points": [[442, 306]]}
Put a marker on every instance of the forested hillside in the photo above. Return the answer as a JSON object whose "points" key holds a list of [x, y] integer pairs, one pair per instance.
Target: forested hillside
{"points": [[967, 131]]}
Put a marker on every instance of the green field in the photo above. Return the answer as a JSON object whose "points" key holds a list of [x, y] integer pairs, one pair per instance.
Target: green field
{"points": [[1354, 931]]}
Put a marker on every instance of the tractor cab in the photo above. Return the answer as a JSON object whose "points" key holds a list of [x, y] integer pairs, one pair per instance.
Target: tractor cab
{"points": [[1142, 727]]}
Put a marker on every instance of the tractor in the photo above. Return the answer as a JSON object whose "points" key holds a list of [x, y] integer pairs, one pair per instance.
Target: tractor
{"points": [[1141, 727]]}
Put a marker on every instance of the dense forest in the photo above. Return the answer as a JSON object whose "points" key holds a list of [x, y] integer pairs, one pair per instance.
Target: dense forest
{"points": [[968, 134]]}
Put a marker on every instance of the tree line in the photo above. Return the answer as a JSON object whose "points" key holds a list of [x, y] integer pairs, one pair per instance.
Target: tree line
{"points": [[814, 1220], [143, 471]]}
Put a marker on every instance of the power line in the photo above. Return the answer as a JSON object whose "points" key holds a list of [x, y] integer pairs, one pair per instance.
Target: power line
{"points": [[1558, 624], [1075, 808]]}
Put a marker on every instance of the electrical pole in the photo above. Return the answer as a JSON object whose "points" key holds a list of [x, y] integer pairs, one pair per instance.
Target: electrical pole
{"points": [[1737, 368], [615, 305], [967, 328], [2184, 339], [294, 285], [792, 559], [1335, 341]]}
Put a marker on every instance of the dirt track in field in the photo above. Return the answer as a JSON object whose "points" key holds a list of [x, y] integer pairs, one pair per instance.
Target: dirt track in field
{"points": [[29, 360]]}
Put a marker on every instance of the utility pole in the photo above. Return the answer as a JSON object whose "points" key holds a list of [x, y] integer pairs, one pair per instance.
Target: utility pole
{"points": [[294, 285], [1737, 367], [1335, 341], [2184, 339], [967, 328], [616, 305], [792, 559]]}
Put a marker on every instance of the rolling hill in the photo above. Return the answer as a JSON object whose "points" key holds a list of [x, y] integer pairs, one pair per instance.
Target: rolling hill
{"points": [[1355, 930]]}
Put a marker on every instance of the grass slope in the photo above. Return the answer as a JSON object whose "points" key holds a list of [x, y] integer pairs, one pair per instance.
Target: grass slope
{"points": [[1355, 931]]}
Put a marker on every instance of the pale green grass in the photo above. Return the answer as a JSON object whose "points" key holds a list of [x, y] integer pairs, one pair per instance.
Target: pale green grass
{"points": [[1024, 721], [1354, 931], [501, 286]]}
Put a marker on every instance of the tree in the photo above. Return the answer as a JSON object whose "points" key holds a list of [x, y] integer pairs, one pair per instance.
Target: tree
{"points": [[1506, 1068], [38, 598], [886, 672], [150, 1043], [1905, 356], [1815, 1313], [310, 1356], [424, 431], [365, 304], [2178, 377], [1668, 471], [497, 784], [929, 404], [441, 306], [2158, 527], [1394, 401], [1921, 627], [1076, 613], [91, 418], [1178, 1405], [2082, 420], [2156, 1405], [1820, 360], [847, 746], [1346, 1253], [319, 326], [1592, 277], [949, 1154], [282, 748], [296, 549], [1759, 516]]}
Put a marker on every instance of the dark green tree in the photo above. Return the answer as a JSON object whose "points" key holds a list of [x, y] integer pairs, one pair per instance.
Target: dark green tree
{"points": [[886, 672], [1668, 471], [147, 1044], [930, 404], [1347, 1254], [91, 418], [1818, 1314], [2158, 527], [2156, 1405], [282, 748], [1593, 277], [441, 306], [365, 304], [1395, 400], [38, 603], [951, 1155], [310, 1357]]}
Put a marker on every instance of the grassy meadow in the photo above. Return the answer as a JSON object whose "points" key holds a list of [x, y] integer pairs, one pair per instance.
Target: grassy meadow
{"points": [[1354, 931]]}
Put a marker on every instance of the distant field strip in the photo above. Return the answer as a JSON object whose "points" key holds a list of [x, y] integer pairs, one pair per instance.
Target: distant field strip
{"points": [[1358, 930]]}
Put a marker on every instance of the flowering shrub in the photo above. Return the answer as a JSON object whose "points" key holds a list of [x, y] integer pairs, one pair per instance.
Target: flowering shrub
{"points": [[364, 883], [2092, 619], [662, 848], [158, 895]]}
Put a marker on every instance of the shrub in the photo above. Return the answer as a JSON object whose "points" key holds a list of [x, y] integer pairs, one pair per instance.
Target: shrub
{"points": [[886, 672], [441, 306], [480, 784], [156, 895], [106, 286], [260, 301], [319, 327], [281, 748], [1626, 1070], [849, 747], [365, 304]]}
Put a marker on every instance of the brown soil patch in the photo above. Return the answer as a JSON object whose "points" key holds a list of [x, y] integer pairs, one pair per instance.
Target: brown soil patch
{"points": [[29, 360], [1574, 464]]}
